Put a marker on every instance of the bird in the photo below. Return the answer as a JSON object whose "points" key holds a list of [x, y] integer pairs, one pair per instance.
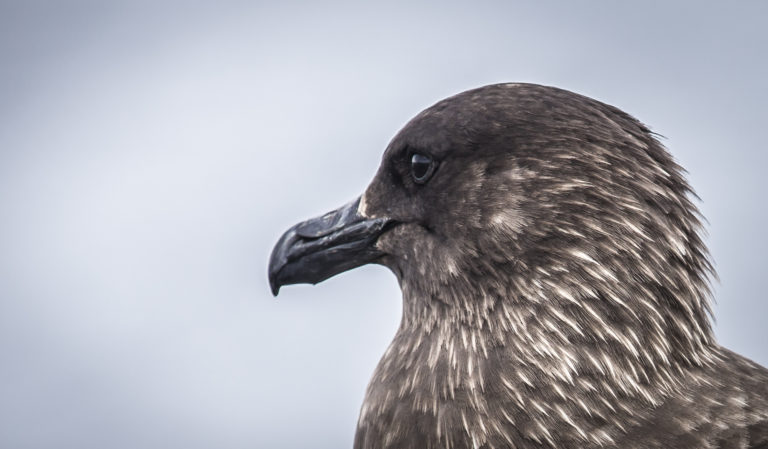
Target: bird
{"points": [[556, 287]]}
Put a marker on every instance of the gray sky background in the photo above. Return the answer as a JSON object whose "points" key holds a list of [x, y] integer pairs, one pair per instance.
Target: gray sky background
{"points": [[151, 153]]}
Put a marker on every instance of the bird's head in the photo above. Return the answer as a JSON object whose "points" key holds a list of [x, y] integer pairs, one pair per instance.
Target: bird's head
{"points": [[525, 195]]}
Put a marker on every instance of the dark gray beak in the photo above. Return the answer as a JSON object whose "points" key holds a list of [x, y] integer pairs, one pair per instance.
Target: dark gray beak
{"points": [[316, 249]]}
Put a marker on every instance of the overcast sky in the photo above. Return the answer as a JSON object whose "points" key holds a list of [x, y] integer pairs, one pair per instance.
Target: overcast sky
{"points": [[151, 153]]}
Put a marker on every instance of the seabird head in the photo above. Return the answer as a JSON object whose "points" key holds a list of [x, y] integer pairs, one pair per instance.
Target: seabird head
{"points": [[550, 224], [512, 183]]}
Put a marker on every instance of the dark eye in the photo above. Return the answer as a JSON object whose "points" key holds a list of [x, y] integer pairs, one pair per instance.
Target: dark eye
{"points": [[422, 167]]}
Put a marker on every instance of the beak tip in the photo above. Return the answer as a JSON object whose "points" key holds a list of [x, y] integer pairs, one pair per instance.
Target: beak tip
{"points": [[276, 263], [274, 285]]}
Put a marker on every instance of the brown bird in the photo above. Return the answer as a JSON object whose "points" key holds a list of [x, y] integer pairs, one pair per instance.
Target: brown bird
{"points": [[555, 284]]}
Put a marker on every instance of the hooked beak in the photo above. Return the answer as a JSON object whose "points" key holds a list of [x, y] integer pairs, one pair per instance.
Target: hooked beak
{"points": [[314, 250]]}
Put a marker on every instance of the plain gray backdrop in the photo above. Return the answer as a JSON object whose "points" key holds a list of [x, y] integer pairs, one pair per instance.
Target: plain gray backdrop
{"points": [[151, 153]]}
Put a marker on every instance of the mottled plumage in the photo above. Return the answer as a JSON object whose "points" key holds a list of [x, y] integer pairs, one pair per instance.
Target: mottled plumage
{"points": [[555, 285]]}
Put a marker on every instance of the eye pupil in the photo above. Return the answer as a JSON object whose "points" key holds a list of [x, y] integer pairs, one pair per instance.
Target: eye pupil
{"points": [[421, 167]]}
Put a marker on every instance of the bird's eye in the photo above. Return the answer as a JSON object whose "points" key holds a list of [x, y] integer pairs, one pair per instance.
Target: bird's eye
{"points": [[422, 167]]}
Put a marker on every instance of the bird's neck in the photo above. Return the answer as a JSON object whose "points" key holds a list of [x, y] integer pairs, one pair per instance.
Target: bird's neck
{"points": [[581, 367], [539, 332]]}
